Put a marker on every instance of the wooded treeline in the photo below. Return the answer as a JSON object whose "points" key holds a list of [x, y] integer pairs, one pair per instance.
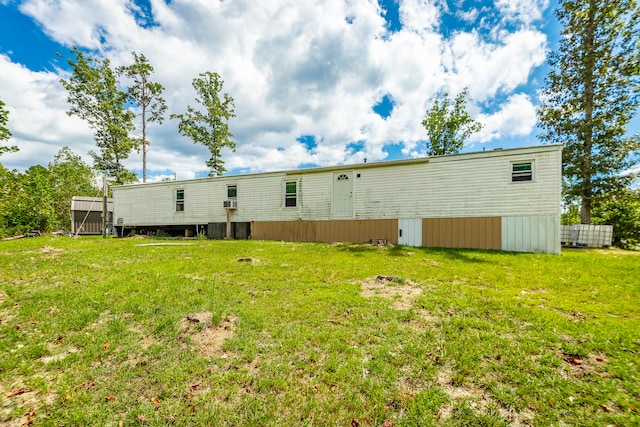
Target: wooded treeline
{"points": [[40, 197]]}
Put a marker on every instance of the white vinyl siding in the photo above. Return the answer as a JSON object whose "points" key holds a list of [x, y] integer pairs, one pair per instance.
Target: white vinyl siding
{"points": [[464, 185]]}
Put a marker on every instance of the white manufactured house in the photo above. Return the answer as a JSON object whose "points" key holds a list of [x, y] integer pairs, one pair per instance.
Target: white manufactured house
{"points": [[501, 199]]}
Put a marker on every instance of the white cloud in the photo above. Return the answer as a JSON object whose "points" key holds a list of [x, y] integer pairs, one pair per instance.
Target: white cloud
{"points": [[294, 68], [516, 117], [36, 103], [525, 11]]}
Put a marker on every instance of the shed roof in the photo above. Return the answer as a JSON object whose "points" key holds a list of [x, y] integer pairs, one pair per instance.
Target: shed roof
{"points": [[82, 203]]}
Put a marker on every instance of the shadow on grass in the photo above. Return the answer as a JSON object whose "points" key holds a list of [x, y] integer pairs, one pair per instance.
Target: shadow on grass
{"points": [[463, 255]]}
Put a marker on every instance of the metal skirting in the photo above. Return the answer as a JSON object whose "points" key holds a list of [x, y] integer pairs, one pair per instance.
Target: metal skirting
{"points": [[470, 233], [327, 231]]}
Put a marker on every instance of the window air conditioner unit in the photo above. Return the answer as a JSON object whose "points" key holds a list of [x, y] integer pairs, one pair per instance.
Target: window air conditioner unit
{"points": [[230, 204]]}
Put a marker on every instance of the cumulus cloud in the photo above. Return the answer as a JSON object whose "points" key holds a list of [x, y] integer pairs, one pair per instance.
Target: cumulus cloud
{"points": [[294, 68], [526, 11], [516, 117]]}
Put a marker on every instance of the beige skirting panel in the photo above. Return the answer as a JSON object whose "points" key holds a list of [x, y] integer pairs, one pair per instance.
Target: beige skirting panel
{"points": [[327, 231], [472, 233]]}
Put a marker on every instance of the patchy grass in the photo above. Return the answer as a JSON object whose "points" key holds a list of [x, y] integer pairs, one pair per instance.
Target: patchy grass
{"points": [[106, 332]]}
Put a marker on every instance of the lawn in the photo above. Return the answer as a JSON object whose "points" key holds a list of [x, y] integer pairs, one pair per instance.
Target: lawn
{"points": [[126, 332]]}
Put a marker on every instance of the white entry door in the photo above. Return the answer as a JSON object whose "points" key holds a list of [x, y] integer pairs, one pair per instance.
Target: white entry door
{"points": [[410, 232], [343, 194]]}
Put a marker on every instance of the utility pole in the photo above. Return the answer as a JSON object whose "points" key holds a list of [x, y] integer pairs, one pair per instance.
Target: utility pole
{"points": [[104, 207]]}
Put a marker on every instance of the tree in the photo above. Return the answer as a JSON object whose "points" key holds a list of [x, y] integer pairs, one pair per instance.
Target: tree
{"points": [[210, 129], [94, 97], [623, 212], [146, 95], [70, 176], [448, 124], [591, 94], [4, 131]]}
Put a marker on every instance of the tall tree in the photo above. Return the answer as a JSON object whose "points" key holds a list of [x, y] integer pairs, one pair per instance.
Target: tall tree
{"points": [[591, 94], [4, 131], [448, 124], [210, 128], [147, 96], [94, 96], [70, 176]]}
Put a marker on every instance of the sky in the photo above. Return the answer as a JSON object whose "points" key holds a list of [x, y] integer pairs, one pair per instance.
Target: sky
{"points": [[315, 82]]}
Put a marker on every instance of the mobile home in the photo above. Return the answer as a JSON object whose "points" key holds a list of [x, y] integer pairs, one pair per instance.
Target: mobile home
{"points": [[501, 199]]}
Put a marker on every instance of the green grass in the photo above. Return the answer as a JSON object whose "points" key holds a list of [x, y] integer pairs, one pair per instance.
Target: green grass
{"points": [[105, 332]]}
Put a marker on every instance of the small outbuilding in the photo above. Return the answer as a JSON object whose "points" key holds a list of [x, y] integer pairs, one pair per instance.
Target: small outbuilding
{"points": [[86, 215], [501, 199]]}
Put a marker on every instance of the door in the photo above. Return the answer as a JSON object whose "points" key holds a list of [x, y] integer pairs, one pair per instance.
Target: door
{"points": [[410, 232], [343, 194]]}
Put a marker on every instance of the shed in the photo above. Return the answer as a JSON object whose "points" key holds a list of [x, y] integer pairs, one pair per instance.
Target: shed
{"points": [[501, 199], [86, 214]]}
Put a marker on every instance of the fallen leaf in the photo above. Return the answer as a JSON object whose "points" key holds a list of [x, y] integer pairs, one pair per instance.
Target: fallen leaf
{"points": [[16, 392], [90, 384], [155, 400], [29, 420], [606, 409], [110, 398], [354, 423], [195, 386], [106, 346], [573, 361]]}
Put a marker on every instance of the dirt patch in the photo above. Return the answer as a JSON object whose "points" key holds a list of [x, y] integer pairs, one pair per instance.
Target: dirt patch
{"points": [[577, 366], [477, 399], [207, 338], [401, 292], [60, 354], [28, 400], [50, 250]]}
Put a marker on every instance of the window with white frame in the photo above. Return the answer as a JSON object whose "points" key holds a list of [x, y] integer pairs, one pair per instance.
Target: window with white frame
{"points": [[291, 194], [232, 192], [179, 200], [521, 171]]}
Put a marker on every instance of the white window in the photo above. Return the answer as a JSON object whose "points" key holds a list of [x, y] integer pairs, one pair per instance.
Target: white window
{"points": [[521, 171], [291, 194], [179, 200], [232, 192]]}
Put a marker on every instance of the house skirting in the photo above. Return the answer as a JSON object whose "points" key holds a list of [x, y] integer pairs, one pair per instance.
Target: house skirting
{"points": [[539, 233], [327, 231]]}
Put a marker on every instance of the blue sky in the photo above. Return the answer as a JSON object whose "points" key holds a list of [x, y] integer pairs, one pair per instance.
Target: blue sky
{"points": [[315, 83]]}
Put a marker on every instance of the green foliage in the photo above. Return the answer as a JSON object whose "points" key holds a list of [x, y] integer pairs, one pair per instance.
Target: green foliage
{"points": [[40, 198], [4, 131], [70, 176], [29, 202], [211, 128], [570, 215], [448, 124], [147, 96], [94, 96], [623, 212], [591, 94]]}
